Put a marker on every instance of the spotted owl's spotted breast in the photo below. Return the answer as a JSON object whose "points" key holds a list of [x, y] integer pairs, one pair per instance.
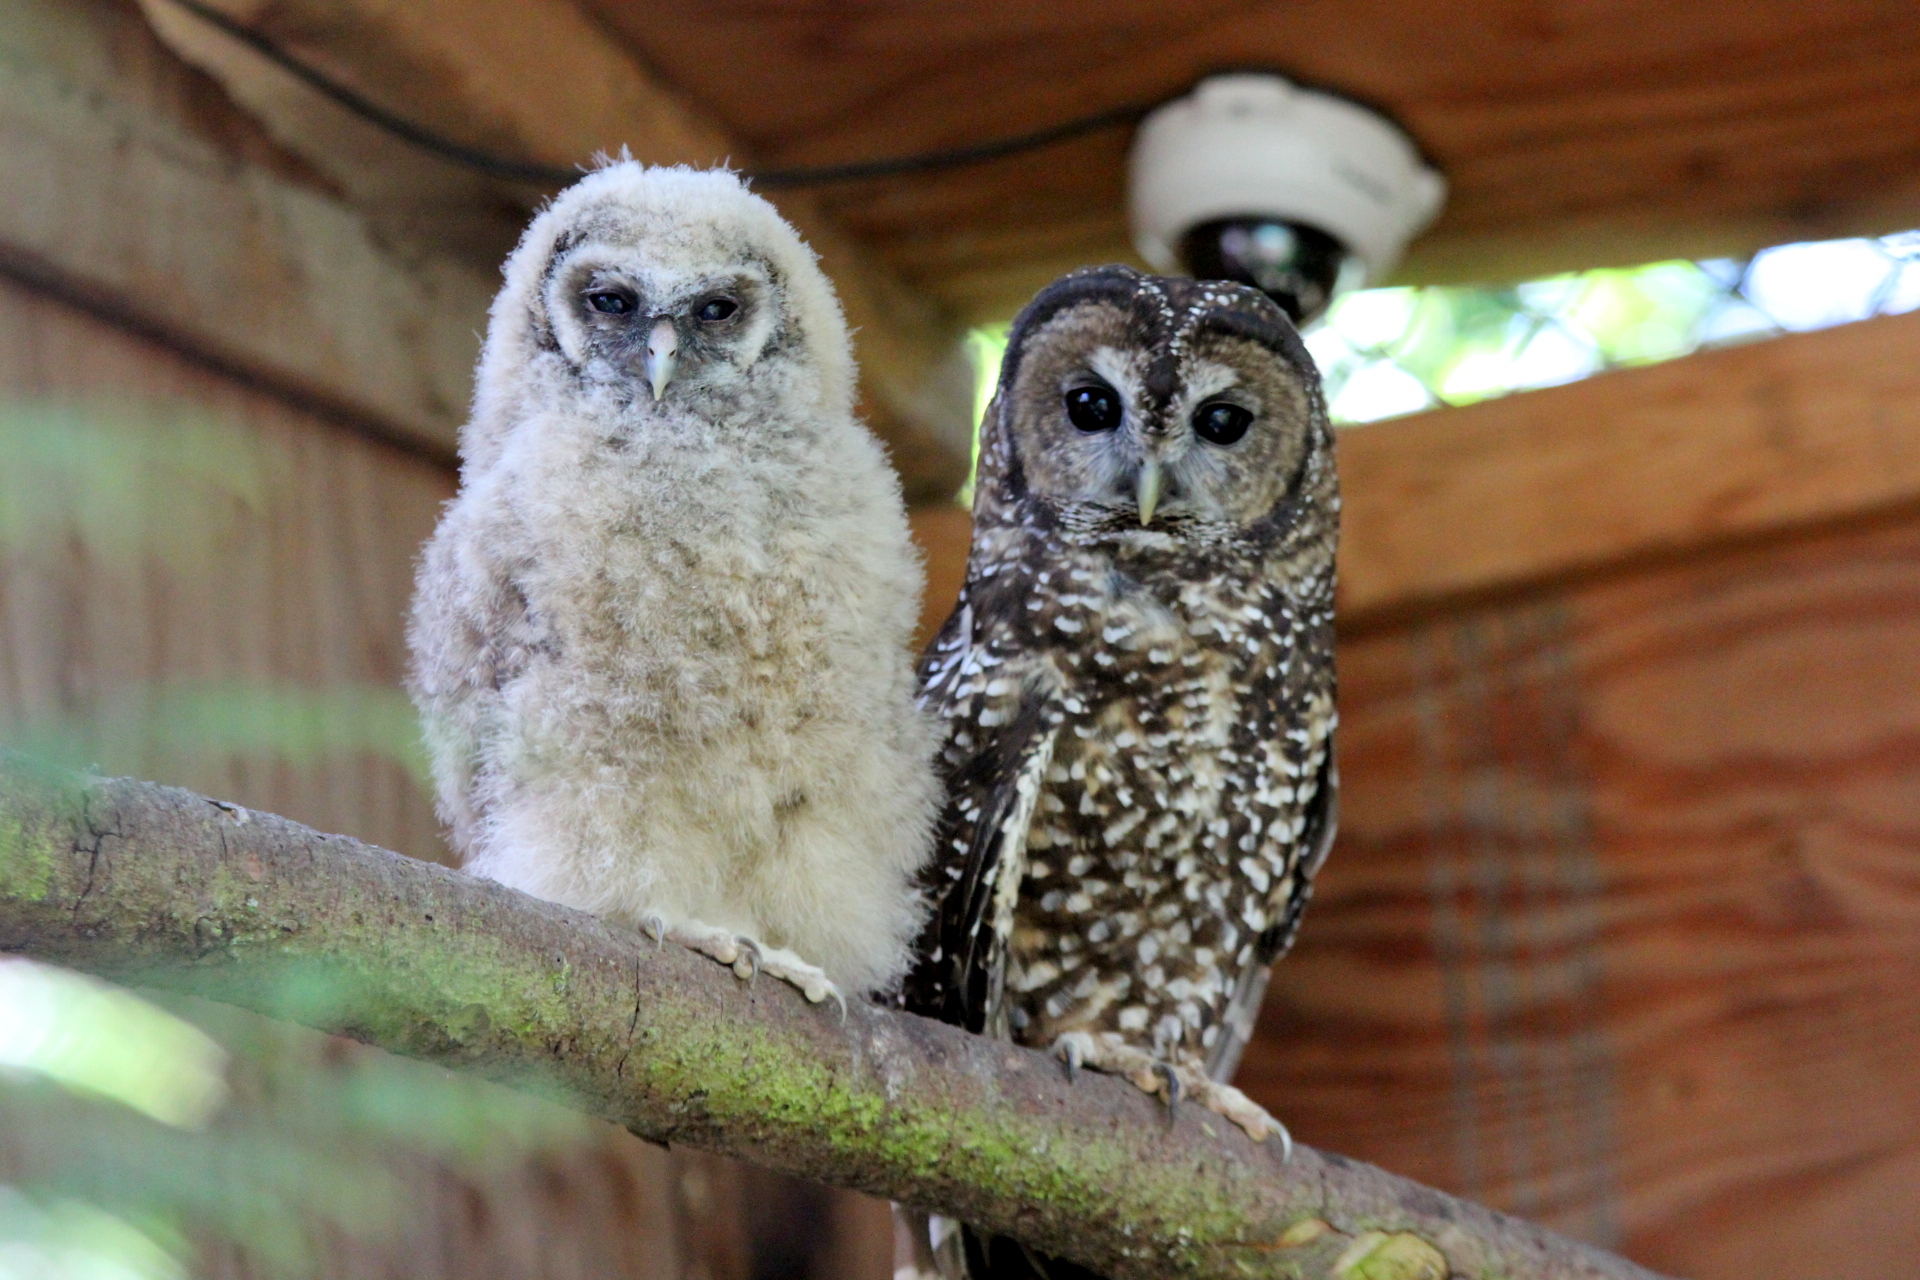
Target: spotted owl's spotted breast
{"points": [[1192, 729]]}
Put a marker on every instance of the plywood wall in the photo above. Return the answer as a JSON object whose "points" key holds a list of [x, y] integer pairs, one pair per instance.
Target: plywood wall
{"points": [[205, 585], [1622, 930], [201, 537]]}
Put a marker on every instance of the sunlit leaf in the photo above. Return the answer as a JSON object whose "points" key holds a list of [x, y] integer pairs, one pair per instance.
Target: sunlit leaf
{"points": [[986, 348], [302, 726], [125, 481], [88, 1035], [71, 1240]]}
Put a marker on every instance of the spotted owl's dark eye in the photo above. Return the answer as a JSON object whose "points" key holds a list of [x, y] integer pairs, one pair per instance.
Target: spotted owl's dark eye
{"points": [[610, 301], [717, 309], [1095, 407], [1221, 423]]}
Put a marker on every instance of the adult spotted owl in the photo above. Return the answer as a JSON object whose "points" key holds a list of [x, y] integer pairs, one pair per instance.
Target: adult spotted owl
{"points": [[1137, 688]]}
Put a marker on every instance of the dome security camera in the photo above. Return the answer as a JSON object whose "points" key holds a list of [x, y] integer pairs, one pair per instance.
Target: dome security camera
{"points": [[1294, 191]]}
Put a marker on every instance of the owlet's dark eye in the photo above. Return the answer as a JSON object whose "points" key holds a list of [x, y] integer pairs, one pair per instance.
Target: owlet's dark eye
{"points": [[610, 301], [1095, 407], [1221, 423], [717, 309]]}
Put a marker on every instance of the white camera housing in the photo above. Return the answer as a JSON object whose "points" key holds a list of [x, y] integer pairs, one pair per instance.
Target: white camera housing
{"points": [[1257, 146]]}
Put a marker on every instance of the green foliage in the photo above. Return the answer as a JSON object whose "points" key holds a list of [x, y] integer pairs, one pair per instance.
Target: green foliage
{"points": [[289, 1138], [74, 1240], [144, 1131], [90, 1036], [125, 481], [986, 347], [303, 727]]}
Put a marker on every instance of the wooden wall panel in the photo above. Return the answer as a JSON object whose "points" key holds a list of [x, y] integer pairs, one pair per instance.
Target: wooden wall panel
{"points": [[177, 580], [1623, 927], [1639, 463], [304, 587], [1571, 135]]}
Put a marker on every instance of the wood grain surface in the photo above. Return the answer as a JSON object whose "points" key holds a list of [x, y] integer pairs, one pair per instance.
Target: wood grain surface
{"points": [[1638, 463], [302, 586], [135, 184], [1571, 135], [1623, 927]]}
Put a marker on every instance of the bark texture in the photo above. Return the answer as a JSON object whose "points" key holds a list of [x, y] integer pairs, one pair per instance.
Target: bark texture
{"points": [[148, 884]]}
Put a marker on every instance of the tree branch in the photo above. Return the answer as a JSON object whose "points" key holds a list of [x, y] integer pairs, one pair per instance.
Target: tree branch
{"points": [[157, 886]]}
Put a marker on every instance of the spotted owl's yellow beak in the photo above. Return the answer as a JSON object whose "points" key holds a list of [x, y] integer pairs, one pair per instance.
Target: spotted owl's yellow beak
{"points": [[1147, 489], [663, 352]]}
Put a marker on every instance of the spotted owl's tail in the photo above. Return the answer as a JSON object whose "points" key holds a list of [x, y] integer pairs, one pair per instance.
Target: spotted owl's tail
{"points": [[929, 1247], [998, 1258]]}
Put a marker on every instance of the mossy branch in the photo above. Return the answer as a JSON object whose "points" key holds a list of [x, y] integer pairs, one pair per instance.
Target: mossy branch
{"points": [[152, 885]]}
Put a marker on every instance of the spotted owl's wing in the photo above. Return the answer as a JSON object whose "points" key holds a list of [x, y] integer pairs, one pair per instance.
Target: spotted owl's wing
{"points": [[1000, 726], [1322, 820]]}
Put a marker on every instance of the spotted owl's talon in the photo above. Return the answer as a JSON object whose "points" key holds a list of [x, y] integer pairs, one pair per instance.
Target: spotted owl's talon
{"points": [[655, 927], [1170, 1081], [1073, 1049]]}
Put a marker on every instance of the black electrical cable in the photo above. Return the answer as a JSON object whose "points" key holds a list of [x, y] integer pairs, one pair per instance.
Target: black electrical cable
{"points": [[552, 175], [374, 113]]}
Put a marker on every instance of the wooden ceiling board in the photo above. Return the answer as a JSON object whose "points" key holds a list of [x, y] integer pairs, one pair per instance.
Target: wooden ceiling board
{"points": [[1573, 133]]}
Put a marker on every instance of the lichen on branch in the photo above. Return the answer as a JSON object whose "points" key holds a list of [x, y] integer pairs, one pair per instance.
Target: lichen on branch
{"points": [[141, 883]]}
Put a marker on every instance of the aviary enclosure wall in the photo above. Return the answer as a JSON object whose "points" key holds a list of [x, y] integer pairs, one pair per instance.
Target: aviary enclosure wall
{"points": [[1622, 930]]}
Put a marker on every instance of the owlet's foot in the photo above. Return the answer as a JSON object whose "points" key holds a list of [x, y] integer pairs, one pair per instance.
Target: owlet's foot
{"points": [[748, 957]]}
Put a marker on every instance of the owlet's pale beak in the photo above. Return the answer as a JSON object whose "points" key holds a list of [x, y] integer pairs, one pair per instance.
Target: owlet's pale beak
{"points": [[1146, 488], [663, 352]]}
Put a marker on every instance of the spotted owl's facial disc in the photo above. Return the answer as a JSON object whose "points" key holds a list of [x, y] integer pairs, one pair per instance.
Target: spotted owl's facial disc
{"points": [[1238, 430], [1077, 371], [1109, 415], [623, 316]]}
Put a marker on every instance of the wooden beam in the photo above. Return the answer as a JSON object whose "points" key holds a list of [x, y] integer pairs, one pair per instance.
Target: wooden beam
{"points": [[1726, 444], [1571, 136], [133, 190], [538, 80]]}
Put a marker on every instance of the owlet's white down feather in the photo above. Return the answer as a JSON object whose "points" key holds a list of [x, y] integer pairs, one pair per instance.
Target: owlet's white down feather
{"points": [[661, 637]]}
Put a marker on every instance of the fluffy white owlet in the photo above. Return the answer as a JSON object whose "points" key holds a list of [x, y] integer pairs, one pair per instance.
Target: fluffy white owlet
{"points": [[1137, 686], [662, 636]]}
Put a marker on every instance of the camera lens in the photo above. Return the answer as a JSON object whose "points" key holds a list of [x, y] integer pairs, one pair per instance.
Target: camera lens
{"points": [[1293, 264]]}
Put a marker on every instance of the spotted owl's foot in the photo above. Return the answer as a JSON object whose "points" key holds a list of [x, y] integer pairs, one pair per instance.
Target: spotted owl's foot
{"points": [[1174, 1082], [748, 957]]}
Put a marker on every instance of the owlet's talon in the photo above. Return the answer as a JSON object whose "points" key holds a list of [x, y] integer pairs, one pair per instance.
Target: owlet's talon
{"points": [[655, 927], [747, 966]]}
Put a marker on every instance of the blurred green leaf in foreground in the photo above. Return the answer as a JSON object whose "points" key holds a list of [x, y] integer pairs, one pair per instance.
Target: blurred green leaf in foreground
{"points": [[136, 1131]]}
